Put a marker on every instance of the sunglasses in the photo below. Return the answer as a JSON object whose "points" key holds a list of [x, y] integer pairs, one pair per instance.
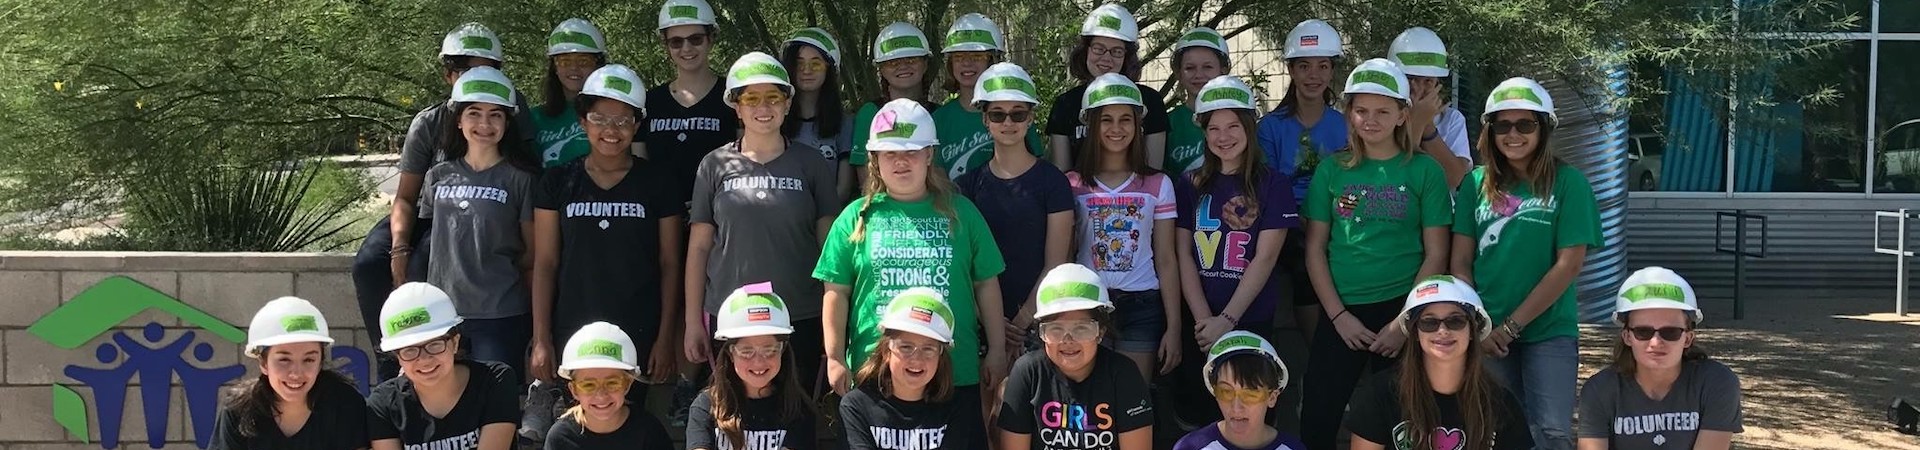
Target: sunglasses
{"points": [[1669, 334], [1454, 322], [611, 121], [1077, 331], [1524, 127], [576, 61], [697, 40], [898, 64], [812, 65], [762, 352], [611, 385], [1226, 394], [433, 347], [906, 350], [758, 100], [970, 58], [1003, 116]]}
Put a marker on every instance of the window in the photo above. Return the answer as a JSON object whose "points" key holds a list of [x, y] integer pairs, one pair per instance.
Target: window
{"points": [[1802, 122], [1898, 159], [1676, 136]]}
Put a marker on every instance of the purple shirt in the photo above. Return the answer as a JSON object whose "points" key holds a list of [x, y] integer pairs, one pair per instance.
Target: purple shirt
{"points": [[1209, 438], [1225, 224]]}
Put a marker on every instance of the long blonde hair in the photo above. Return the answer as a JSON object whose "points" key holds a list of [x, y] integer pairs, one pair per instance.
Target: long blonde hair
{"points": [[939, 188], [1357, 149]]}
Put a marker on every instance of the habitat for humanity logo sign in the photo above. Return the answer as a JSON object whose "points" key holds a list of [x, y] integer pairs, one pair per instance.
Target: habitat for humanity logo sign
{"points": [[156, 362]]}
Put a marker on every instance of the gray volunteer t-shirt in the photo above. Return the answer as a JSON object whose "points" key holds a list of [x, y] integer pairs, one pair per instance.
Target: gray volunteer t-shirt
{"points": [[1705, 397], [477, 243], [765, 219]]}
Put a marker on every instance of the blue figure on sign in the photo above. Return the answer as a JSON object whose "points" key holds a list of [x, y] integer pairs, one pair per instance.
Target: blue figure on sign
{"points": [[202, 388], [156, 367], [358, 366], [109, 388]]}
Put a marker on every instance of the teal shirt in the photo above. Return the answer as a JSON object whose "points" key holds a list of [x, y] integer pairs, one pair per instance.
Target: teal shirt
{"points": [[560, 139]]}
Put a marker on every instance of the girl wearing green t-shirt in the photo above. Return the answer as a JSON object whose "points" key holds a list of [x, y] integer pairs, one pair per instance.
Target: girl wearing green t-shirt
{"points": [[1200, 56], [575, 49], [1377, 214], [1521, 228], [900, 56], [911, 229]]}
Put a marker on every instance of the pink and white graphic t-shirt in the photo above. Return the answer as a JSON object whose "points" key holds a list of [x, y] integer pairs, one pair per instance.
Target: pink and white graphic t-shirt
{"points": [[1116, 227]]}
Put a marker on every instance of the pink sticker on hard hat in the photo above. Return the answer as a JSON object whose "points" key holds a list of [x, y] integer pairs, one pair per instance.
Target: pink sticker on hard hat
{"points": [[764, 287], [884, 121]]}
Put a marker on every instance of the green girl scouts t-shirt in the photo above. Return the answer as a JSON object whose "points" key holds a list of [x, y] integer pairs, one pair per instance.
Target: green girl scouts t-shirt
{"points": [[965, 145], [560, 138], [1516, 236], [907, 245], [1376, 211], [1185, 141]]}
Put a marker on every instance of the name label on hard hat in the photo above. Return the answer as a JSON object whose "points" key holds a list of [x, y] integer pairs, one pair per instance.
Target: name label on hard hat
{"points": [[408, 319], [1010, 83], [683, 12], [900, 43], [1377, 77], [299, 323]]}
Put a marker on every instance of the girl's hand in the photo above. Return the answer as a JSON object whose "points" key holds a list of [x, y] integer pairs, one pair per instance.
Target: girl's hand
{"points": [[662, 362], [1169, 351], [1210, 330], [1355, 334], [696, 343], [995, 365], [1497, 343], [838, 377], [1388, 341]]}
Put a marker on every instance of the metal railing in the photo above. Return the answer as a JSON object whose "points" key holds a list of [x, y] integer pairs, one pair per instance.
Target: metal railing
{"points": [[1739, 251], [1899, 251]]}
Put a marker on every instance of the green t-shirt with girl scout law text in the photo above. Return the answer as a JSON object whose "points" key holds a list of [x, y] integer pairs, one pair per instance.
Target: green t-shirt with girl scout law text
{"points": [[908, 245], [1376, 212], [1516, 237], [965, 145], [559, 138], [1186, 142]]}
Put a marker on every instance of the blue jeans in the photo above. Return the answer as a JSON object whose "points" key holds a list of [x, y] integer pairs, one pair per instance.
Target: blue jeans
{"points": [[502, 340], [1543, 375], [1139, 320]]}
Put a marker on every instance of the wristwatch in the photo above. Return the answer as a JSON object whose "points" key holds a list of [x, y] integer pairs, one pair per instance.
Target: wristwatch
{"points": [[1512, 329]]}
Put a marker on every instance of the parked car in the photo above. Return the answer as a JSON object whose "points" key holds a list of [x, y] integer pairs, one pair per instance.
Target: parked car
{"points": [[1643, 161]]}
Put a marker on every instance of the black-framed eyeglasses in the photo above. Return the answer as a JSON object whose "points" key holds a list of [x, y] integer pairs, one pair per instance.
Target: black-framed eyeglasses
{"points": [[433, 347], [1002, 116], [1112, 52], [1524, 127], [1669, 334], [1454, 322]]}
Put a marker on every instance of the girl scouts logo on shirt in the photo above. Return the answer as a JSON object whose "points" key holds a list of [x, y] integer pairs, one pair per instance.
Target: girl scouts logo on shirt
{"points": [[1503, 208], [299, 323], [1443, 438], [600, 347]]}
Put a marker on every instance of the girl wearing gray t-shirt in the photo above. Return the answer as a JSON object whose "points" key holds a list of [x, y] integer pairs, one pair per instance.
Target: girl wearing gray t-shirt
{"points": [[1661, 391]]}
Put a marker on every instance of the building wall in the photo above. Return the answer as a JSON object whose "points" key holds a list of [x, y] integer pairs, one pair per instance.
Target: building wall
{"points": [[228, 288]]}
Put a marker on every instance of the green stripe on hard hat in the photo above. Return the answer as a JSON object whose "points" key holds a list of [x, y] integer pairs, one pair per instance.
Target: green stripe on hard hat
{"points": [[1437, 278], [926, 302], [901, 129], [1660, 291], [1236, 342], [1518, 93], [1110, 22], [618, 84], [817, 36], [476, 43], [1227, 94], [1117, 90], [755, 300], [299, 323], [487, 87], [572, 37], [683, 12], [900, 43], [1423, 59], [1204, 36], [1070, 289], [971, 37], [1009, 83], [754, 70], [1377, 77], [408, 319], [600, 347]]}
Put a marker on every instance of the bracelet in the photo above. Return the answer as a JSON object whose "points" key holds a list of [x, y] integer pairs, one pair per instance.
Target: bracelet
{"points": [[1511, 328], [400, 250], [1343, 312], [1430, 136], [1230, 319]]}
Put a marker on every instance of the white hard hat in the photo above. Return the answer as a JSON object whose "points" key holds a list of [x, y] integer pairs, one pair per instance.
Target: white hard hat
{"points": [[755, 68], [1222, 92], [819, 39], [1071, 287], [921, 311], [1110, 89], [1312, 38], [974, 33], [599, 345], [1201, 37], [1519, 93], [576, 36], [901, 125], [286, 320], [1005, 82], [1241, 341], [900, 40], [1655, 288], [617, 82], [415, 312], [752, 310], [1380, 77], [1111, 20], [1445, 288], [472, 39], [685, 12], [485, 85], [1420, 53]]}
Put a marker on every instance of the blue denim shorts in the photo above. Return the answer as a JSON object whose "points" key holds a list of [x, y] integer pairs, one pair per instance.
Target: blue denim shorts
{"points": [[1138, 320]]}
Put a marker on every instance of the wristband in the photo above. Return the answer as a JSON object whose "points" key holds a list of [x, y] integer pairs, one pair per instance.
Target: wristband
{"points": [[1343, 312], [1230, 319], [1430, 136]]}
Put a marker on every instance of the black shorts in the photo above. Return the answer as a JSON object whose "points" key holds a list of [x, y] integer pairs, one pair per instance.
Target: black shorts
{"points": [[1295, 282]]}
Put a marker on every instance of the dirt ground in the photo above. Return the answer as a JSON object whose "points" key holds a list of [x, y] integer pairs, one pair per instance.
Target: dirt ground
{"points": [[1817, 375]]}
